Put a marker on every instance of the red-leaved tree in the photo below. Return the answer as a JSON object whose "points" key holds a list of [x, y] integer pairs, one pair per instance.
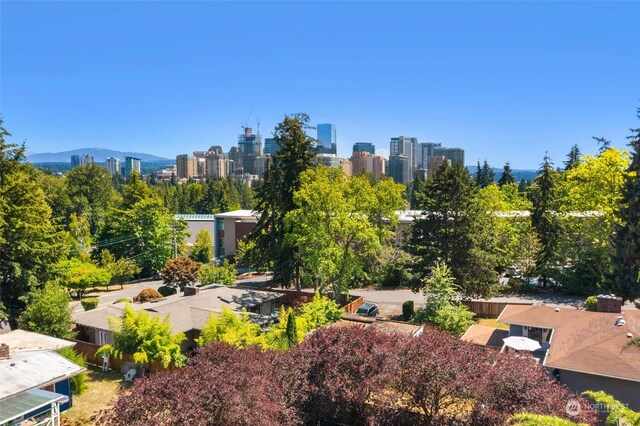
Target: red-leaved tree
{"points": [[222, 385], [516, 384], [348, 376]]}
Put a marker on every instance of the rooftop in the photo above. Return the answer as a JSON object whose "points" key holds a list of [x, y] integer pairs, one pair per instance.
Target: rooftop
{"points": [[386, 326], [34, 369], [196, 217], [485, 336], [185, 312], [582, 341], [239, 214], [22, 340]]}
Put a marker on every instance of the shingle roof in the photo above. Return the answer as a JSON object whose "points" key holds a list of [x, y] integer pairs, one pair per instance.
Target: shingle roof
{"points": [[485, 336], [587, 342], [185, 312]]}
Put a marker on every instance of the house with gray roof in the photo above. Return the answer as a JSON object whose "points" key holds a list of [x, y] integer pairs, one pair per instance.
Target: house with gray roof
{"points": [[35, 379], [187, 312]]}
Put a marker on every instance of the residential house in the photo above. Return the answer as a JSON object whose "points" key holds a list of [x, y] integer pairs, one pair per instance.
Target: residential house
{"points": [[586, 350], [36, 383], [188, 312]]}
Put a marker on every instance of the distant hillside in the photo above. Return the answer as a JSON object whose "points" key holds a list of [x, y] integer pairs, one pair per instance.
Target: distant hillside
{"points": [[100, 155], [147, 167], [518, 173]]}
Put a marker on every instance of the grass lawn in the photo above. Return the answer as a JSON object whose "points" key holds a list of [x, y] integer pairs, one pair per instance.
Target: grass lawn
{"points": [[101, 391], [492, 323]]}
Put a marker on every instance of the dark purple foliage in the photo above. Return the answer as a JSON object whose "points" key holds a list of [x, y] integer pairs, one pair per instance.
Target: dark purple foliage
{"points": [[347, 376], [222, 385]]}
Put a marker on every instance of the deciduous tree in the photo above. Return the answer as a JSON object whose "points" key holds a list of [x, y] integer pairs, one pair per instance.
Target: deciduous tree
{"points": [[48, 312], [180, 272], [30, 244], [147, 337], [202, 250]]}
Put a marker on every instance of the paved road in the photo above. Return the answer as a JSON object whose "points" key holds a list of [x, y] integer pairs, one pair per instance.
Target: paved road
{"points": [[390, 301], [114, 293]]}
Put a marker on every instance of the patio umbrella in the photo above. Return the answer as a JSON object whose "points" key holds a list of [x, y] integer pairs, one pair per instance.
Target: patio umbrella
{"points": [[522, 343]]}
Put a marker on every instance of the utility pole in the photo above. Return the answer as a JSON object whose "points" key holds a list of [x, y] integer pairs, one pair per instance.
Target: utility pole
{"points": [[175, 243]]}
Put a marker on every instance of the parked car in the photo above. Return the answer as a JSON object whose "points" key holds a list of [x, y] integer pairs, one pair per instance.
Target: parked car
{"points": [[368, 310]]}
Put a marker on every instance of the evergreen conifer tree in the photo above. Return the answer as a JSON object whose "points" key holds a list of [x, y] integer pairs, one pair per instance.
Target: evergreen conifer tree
{"points": [[572, 158], [275, 200], [507, 175], [625, 281]]}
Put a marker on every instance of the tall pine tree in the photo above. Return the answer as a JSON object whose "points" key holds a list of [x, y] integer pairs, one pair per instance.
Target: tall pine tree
{"points": [[484, 175], [625, 281], [450, 229], [275, 199], [507, 175], [573, 158], [544, 220]]}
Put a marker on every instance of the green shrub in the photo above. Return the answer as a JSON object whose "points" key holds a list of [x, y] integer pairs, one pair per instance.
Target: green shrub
{"points": [[122, 299], [79, 382], [407, 310], [89, 303], [167, 291], [223, 274], [591, 304], [454, 319], [147, 295]]}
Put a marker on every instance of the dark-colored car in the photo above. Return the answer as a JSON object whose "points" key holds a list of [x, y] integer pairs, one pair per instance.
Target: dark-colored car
{"points": [[368, 310]]}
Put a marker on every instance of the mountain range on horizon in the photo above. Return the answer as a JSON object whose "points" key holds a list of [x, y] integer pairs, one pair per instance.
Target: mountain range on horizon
{"points": [[100, 155]]}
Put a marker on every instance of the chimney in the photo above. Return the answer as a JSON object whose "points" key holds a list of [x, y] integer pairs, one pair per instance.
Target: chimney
{"points": [[4, 351], [191, 290], [609, 303]]}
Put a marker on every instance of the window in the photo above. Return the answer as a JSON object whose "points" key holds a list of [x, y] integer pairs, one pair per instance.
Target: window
{"points": [[220, 224], [102, 337]]}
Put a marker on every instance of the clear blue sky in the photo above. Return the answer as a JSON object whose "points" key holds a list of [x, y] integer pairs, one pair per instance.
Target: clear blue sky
{"points": [[506, 81]]}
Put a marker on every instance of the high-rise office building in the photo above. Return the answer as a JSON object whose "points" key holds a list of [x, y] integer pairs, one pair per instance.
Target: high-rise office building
{"points": [[81, 160], [362, 162], [326, 135], [365, 162], [250, 147], [271, 146], [113, 165], [433, 164], [399, 168], [216, 166], [406, 146], [131, 164], [185, 166], [425, 150], [454, 155], [379, 166], [364, 147]]}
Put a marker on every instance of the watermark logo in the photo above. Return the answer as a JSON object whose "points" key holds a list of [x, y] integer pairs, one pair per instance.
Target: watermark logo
{"points": [[573, 408]]}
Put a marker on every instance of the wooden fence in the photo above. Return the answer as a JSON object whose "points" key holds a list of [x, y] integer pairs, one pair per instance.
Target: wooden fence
{"points": [[89, 351], [353, 306], [484, 309]]}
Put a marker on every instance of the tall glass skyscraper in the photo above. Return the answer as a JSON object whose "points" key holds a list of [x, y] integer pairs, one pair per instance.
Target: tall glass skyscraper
{"points": [[327, 137], [364, 147]]}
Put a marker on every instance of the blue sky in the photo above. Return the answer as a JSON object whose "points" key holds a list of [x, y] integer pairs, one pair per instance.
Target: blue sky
{"points": [[506, 81]]}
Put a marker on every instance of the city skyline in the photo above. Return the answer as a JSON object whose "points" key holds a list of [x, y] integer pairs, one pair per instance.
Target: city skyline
{"points": [[485, 78]]}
